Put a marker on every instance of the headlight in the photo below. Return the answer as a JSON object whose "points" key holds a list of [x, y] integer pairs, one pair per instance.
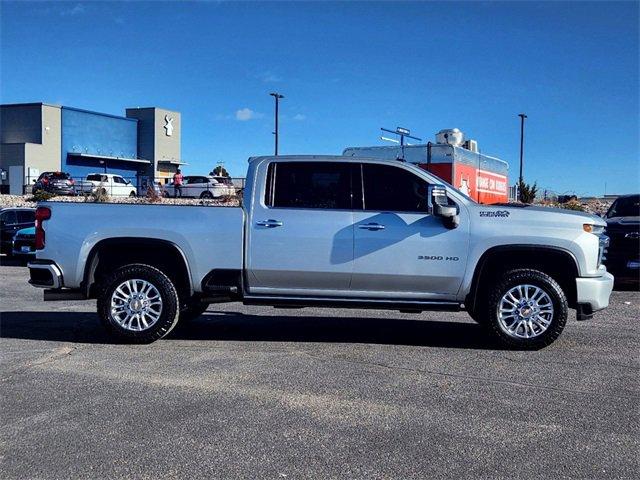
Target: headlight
{"points": [[591, 228]]}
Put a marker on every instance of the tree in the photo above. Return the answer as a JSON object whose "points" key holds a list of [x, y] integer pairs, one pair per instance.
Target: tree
{"points": [[527, 193], [220, 171]]}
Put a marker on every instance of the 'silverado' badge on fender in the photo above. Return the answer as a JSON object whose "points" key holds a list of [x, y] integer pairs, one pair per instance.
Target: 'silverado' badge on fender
{"points": [[494, 213]]}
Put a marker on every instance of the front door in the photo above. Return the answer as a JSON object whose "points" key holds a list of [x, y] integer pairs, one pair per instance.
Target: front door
{"points": [[301, 231], [400, 249]]}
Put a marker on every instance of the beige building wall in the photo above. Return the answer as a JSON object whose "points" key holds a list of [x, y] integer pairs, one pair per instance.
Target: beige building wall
{"points": [[167, 147], [47, 155], [159, 139]]}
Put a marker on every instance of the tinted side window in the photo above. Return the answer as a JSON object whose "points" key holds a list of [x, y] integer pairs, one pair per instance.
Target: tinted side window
{"points": [[309, 185], [118, 180], [393, 189], [26, 216], [9, 217]]}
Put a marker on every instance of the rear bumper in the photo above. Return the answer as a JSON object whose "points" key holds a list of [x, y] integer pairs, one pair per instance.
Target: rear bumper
{"points": [[594, 292], [45, 274]]}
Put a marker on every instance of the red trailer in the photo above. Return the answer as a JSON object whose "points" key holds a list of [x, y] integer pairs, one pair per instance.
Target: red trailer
{"points": [[481, 177]]}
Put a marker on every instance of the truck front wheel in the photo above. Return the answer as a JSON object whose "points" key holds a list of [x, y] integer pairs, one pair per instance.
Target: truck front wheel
{"points": [[526, 309], [138, 303]]}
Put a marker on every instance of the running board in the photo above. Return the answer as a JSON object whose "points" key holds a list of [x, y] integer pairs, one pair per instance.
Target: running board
{"points": [[62, 294], [368, 303]]}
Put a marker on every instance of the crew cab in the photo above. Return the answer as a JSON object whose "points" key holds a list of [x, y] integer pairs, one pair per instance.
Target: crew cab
{"points": [[328, 231]]}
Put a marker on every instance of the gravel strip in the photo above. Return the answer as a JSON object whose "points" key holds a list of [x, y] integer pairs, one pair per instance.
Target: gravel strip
{"points": [[27, 201]]}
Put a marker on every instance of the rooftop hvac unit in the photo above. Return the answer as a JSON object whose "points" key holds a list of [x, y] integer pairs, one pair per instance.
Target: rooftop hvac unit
{"points": [[450, 136], [471, 145]]}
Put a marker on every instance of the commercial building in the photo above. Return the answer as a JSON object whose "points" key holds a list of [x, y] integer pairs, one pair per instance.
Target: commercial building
{"points": [[38, 137]]}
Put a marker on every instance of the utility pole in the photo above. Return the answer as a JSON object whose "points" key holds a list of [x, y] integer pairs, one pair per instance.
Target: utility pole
{"points": [[520, 178], [522, 117], [277, 97]]}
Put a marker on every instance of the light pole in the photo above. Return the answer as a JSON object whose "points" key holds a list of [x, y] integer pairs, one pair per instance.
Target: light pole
{"points": [[522, 117], [277, 97]]}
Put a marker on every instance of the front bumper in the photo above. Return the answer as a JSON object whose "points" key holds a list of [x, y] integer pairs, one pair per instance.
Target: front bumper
{"points": [[594, 292], [45, 274]]}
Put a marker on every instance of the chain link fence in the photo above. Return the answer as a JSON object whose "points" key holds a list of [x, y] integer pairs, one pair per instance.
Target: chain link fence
{"points": [[193, 186]]}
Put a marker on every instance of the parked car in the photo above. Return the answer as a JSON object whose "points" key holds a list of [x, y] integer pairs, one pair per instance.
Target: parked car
{"points": [[112, 185], [58, 183], [328, 231], [623, 229], [200, 186], [11, 221], [24, 242]]}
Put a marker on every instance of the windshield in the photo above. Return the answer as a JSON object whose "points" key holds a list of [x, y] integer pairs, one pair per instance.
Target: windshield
{"points": [[57, 175], [625, 207]]}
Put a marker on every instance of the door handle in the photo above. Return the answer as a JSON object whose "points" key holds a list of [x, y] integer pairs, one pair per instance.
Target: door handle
{"points": [[371, 226], [269, 223]]}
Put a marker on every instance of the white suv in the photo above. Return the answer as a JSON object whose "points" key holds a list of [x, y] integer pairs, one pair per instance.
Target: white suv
{"points": [[112, 185]]}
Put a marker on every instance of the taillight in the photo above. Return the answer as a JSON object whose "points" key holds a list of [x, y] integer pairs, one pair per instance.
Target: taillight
{"points": [[42, 213]]}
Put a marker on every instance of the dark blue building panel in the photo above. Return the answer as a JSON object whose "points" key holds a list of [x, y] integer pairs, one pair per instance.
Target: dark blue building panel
{"points": [[102, 135]]}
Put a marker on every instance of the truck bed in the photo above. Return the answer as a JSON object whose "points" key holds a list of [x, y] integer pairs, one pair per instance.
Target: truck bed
{"points": [[208, 237]]}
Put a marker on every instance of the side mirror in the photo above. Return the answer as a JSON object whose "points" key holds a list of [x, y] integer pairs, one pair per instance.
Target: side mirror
{"points": [[439, 206], [34, 181]]}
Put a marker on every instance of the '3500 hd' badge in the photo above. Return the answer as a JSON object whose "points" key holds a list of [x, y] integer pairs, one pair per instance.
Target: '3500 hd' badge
{"points": [[494, 213]]}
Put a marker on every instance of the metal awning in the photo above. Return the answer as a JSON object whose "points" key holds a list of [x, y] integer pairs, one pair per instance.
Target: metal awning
{"points": [[107, 157], [172, 162]]}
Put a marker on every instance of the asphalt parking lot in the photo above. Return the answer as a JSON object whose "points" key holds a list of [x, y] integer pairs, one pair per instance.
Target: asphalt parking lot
{"points": [[252, 392]]}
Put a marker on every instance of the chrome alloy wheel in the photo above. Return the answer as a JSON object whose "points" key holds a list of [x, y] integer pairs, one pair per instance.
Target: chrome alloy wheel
{"points": [[136, 305], [525, 311]]}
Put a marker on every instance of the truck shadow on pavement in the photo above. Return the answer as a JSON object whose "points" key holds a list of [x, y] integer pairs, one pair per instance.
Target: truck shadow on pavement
{"points": [[231, 326]]}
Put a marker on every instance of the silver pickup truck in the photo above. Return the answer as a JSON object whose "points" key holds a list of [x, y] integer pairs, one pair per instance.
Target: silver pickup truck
{"points": [[328, 231]]}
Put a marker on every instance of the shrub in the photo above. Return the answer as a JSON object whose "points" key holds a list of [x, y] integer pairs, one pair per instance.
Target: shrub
{"points": [[152, 194], [99, 195], [41, 196], [527, 193], [573, 205]]}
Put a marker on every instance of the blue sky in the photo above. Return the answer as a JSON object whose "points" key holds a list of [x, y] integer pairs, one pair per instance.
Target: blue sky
{"points": [[346, 70]]}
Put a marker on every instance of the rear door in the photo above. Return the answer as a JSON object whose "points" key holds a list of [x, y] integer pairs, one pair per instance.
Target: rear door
{"points": [[301, 230], [400, 250]]}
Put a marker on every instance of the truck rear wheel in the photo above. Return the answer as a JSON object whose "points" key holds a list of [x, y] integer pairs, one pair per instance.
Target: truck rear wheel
{"points": [[526, 309], [138, 303]]}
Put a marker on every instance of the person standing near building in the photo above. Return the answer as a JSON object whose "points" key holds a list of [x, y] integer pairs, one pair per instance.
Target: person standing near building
{"points": [[177, 183]]}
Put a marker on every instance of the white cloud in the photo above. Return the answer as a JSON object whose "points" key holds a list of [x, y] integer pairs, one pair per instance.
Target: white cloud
{"points": [[245, 114], [77, 9], [298, 117], [269, 77]]}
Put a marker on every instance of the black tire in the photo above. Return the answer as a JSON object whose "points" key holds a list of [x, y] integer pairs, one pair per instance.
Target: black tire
{"points": [[168, 316], [132, 195], [489, 311], [206, 194], [192, 310]]}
